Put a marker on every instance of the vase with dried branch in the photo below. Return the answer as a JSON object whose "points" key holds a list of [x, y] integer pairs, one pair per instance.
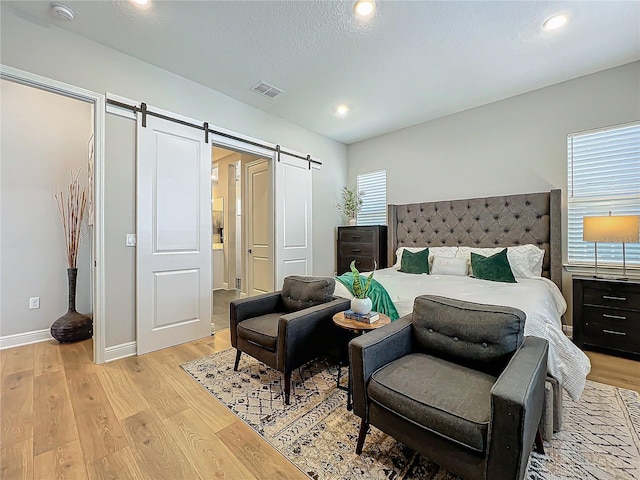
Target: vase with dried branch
{"points": [[72, 326]]}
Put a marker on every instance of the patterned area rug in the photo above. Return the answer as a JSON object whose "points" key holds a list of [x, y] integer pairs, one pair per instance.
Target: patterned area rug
{"points": [[600, 437]]}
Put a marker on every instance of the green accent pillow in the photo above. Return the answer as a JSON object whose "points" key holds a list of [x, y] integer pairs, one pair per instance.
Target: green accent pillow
{"points": [[417, 262], [495, 268]]}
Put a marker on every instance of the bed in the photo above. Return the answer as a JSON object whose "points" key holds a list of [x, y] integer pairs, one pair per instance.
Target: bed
{"points": [[491, 222]]}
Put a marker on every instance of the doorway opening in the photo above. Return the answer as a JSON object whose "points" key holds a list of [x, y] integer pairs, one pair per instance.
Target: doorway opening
{"points": [[242, 233], [84, 111]]}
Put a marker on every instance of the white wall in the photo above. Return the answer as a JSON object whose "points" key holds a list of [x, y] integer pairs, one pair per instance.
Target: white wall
{"points": [[44, 138], [516, 145], [52, 52], [119, 219]]}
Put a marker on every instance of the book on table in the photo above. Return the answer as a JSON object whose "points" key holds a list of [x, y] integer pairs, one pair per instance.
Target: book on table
{"points": [[370, 317]]}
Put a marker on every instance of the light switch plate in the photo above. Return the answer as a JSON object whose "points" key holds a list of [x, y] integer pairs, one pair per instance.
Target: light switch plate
{"points": [[130, 240], [34, 302]]}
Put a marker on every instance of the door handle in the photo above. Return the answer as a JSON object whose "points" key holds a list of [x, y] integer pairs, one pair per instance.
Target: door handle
{"points": [[249, 251]]}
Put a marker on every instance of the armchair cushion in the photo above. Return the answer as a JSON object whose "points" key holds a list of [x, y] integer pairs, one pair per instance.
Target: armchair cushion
{"points": [[262, 330], [300, 292], [442, 397], [483, 337]]}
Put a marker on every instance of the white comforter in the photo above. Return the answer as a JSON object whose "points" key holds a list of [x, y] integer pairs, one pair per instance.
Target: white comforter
{"points": [[539, 298]]}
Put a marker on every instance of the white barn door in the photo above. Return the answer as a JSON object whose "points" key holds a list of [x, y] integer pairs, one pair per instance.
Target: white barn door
{"points": [[293, 252], [173, 274]]}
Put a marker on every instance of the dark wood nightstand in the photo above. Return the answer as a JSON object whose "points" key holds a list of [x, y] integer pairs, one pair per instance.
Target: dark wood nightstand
{"points": [[606, 314], [364, 244]]}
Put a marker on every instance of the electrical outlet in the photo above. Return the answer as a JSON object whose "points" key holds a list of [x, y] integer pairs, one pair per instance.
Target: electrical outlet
{"points": [[34, 302], [130, 240]]}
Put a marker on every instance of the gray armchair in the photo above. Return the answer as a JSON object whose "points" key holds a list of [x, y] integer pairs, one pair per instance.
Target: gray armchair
{"points": [[456, 381], [288, 328]]}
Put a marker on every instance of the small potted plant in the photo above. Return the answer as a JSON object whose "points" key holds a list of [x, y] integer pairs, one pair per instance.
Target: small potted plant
{"points": [[361, 303], [351, 203]]}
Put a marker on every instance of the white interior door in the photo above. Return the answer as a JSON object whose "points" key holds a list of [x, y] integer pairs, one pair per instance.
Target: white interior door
{"points": [[173, 276], [293, 252], [259, 214]]}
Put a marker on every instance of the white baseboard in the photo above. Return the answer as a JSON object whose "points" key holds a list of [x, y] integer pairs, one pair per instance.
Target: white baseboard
{"points": [[19, 339], [117, 352]]}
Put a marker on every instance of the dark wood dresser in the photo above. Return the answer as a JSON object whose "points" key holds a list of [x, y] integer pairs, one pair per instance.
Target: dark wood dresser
{"points": [[364, 244], [606, 314]]}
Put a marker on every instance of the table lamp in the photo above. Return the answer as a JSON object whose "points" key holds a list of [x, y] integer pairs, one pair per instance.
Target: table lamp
{"points": [[611, 229]]}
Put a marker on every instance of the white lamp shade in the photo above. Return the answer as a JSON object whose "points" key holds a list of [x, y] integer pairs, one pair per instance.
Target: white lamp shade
{"points": [[613, 229]]}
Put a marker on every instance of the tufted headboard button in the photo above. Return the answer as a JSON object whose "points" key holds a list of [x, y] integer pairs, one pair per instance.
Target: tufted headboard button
{"points": [[431, 330], [455, 339], [484, 344]]}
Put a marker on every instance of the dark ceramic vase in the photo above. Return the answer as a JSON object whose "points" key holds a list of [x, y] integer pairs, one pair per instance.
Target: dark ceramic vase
{"points": [[72, 326]]}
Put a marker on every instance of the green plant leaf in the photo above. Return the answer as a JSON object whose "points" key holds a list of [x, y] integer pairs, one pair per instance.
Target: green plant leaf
{"points": [[357, 282], [360, 291], [368, 282]]}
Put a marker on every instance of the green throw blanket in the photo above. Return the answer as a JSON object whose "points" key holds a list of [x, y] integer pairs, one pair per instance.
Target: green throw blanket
{"points": [[380, 299]]}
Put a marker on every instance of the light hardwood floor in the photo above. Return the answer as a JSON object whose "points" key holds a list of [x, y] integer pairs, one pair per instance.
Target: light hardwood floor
{"points": [[64, 417]]}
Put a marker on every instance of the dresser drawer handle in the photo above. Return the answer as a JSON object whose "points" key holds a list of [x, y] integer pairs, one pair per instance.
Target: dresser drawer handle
{"points": [[355, 250], [617, 317], [613, 332], [355, 237], [608, 297]]}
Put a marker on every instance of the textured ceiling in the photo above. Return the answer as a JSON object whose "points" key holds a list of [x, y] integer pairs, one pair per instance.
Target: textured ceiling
{"points": [[412, 62]]}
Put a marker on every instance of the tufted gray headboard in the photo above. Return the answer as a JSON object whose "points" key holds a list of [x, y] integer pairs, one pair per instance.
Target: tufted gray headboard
{"points": [[482, 222]]}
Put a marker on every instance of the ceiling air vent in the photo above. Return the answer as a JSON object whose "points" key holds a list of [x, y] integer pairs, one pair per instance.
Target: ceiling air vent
{"points": [[266, 90]]}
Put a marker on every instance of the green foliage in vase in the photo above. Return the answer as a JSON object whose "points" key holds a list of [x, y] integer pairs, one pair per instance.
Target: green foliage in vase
{"points": [[359, 290], [351, 201]]}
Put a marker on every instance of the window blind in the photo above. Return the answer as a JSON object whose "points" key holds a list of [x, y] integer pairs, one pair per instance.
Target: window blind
{"points": [[374, 200], [603, 176]]}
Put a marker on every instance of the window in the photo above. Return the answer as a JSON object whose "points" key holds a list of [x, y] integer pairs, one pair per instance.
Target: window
{"points": [[374, 200], [603, 176]]}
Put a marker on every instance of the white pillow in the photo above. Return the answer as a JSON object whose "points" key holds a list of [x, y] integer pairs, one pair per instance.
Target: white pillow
{"points": [[448, 266], [525, 260], [443, 252], [439, 251]]}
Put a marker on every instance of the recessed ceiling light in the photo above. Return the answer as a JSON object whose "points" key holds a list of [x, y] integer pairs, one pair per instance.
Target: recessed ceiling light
{"points": [[364, 8], [140, 2], [555, 22], [341, 110]]}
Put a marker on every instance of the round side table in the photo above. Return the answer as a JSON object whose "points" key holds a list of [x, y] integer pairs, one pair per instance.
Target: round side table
{"points": [[357, 328]]}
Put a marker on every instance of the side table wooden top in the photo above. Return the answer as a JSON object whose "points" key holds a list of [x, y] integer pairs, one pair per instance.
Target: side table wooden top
{"points": [[355, 325]]}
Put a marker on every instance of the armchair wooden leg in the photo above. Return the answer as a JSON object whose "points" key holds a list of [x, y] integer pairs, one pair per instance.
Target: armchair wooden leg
{"points": [[287, 387], [238, 353], [539, 446], [364, 428]]}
